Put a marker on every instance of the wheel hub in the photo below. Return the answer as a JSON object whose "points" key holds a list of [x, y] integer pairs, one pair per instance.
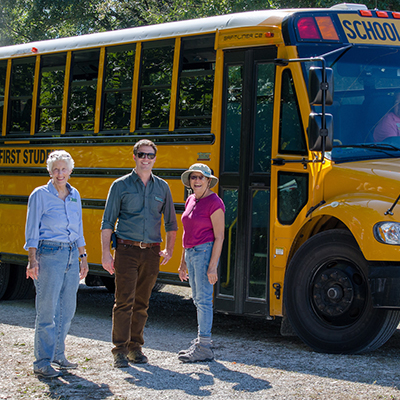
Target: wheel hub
{"points": [[333, 292]]}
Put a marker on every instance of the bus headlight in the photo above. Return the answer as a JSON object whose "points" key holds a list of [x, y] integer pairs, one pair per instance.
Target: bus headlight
{"points": [[387, 232]]}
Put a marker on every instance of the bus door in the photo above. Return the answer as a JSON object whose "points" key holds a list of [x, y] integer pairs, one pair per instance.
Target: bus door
{"points": [[245, 174]]}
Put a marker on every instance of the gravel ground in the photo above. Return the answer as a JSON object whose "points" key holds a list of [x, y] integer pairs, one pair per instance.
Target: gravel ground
{"points": [[252, 360]]}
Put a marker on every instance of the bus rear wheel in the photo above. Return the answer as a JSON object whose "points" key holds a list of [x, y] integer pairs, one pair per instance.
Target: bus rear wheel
{"points": [[4, 278], [327, 297]]}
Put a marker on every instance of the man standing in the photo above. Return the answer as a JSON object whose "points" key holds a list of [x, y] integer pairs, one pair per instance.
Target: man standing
{"points": [[137, 201]]}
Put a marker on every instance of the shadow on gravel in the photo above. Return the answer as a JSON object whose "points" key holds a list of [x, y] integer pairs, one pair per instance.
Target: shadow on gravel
{"points": [[238, 340], [56, 388], [195, 384]]}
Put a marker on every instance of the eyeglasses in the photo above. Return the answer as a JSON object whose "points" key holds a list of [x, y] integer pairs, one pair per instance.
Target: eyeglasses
{"points": [[150, 156], [194, 177]]}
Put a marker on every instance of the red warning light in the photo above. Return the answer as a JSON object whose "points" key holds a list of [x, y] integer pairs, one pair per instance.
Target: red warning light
{"points": [[34, 50]]}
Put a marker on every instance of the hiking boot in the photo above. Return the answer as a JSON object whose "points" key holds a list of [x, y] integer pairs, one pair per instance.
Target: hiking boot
{"points": [[47, 372], [192, 345], [64, 364], [120, 361], [137, 357], [198, 353]]}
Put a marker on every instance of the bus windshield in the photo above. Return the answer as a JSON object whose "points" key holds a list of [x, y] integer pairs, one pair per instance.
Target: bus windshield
{"points": [[365, 109]]}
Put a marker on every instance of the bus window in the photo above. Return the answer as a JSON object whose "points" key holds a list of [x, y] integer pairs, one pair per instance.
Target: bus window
{"points": [[196, 82], [22, 76], [3, 71], [82, 100], [292, 195], [291, 137], [51, 92], [155, 84], [117, 94]]}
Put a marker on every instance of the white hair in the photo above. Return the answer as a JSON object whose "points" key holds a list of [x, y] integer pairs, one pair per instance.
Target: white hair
{"points": [[60, 155]]}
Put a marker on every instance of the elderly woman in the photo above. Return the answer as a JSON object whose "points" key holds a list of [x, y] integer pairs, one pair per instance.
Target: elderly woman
{"points": [[57, 261], [203, 235]]}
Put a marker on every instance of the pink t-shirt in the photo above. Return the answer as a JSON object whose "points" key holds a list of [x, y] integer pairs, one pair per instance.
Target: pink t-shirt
{"points": [[388, 126], [197, 225]]}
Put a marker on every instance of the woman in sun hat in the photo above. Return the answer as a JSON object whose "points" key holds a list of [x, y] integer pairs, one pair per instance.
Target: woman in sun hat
{"points": [[203, 235]]}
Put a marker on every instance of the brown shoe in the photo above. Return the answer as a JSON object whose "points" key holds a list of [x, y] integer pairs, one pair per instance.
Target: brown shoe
{"points": [[120, 361], [137, 357]]}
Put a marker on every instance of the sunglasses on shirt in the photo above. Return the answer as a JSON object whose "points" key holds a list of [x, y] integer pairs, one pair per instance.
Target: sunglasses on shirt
{"points": [[150, 156]]}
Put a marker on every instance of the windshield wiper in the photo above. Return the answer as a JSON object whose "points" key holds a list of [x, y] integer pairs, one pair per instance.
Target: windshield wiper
{"points": [[372, 146]]}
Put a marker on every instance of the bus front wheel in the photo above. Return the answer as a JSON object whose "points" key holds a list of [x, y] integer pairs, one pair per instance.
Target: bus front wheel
{"points": [[327, 297]]}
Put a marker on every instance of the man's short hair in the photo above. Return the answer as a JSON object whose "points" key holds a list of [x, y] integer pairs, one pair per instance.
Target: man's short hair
{"points": [[144, 142]]}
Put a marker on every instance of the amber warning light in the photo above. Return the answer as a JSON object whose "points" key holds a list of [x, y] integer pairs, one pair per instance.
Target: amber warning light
{"points": [[318, 28]]}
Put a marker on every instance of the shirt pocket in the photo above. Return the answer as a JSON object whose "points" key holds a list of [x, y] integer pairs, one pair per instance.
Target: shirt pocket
{"points": [[157, 202]]}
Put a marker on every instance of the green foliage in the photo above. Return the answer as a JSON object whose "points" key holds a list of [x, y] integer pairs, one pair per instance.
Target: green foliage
{"points": [[24, 21]]}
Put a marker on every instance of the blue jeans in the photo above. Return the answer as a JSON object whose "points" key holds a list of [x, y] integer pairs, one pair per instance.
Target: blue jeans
{"points": [[197, 259], [56, 288]]}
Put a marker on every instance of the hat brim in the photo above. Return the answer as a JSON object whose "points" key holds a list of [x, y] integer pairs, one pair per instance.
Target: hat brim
{"points": [[186, 176]]}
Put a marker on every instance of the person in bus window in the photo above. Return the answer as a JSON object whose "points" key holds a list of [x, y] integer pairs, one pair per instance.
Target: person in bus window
{"points": [[138, 201], [203, 235], [57, 261], [389, 125]]}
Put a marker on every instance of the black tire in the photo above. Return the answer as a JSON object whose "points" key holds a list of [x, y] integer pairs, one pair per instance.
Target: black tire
{"points": [[109, 283], [18, 286], [327, 297], [158, 286], [4, 278]]}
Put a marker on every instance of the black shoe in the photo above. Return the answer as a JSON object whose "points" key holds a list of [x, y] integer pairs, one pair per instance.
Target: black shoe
{"points": [[137, 357], [120, 361], [47, 372]]}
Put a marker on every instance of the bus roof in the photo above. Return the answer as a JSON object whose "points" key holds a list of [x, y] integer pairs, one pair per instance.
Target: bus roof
{"points": [[160, 31]]}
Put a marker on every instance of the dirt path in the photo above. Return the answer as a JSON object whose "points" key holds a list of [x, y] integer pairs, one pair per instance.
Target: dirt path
{"points": [[252, 360]]}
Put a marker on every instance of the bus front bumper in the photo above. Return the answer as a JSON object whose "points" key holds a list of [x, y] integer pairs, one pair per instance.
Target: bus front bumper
{"points": [[384, 282]]}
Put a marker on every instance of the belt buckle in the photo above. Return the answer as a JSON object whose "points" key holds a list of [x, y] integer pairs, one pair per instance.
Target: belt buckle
{"points": [[140, 245]]}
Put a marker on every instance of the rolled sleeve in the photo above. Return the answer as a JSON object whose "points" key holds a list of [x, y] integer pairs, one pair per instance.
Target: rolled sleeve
{"points": [[170, 222], [33, 218], [112, 208]]}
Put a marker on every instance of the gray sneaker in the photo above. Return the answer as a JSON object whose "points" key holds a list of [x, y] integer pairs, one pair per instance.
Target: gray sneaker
{"points": [[120, 361], [198, 353], [47, 372], [64, 364], [192, 345]]}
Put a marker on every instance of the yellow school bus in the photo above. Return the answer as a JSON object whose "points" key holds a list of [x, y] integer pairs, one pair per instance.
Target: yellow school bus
{"points": [[283, 105]]}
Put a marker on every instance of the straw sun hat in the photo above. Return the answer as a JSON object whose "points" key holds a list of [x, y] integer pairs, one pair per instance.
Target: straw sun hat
{"points": [[203, 169]]}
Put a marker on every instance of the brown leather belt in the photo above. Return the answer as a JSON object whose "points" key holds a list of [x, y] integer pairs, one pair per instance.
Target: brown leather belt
{"points": [[138, 244]]}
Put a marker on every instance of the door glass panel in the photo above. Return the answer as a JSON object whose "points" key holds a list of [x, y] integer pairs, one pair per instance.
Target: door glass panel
{"points": [[291, 136], [259, 244], [264, 112], [234, 95], [227, 264], [292, 195]]}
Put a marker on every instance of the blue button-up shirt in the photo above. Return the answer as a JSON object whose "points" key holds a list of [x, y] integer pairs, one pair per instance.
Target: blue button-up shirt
{"points": [[51, 218], [139, 208]]}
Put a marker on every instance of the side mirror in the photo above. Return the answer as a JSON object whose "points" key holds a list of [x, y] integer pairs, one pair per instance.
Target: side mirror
{"points": [[316, 133], [317, 84]]}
